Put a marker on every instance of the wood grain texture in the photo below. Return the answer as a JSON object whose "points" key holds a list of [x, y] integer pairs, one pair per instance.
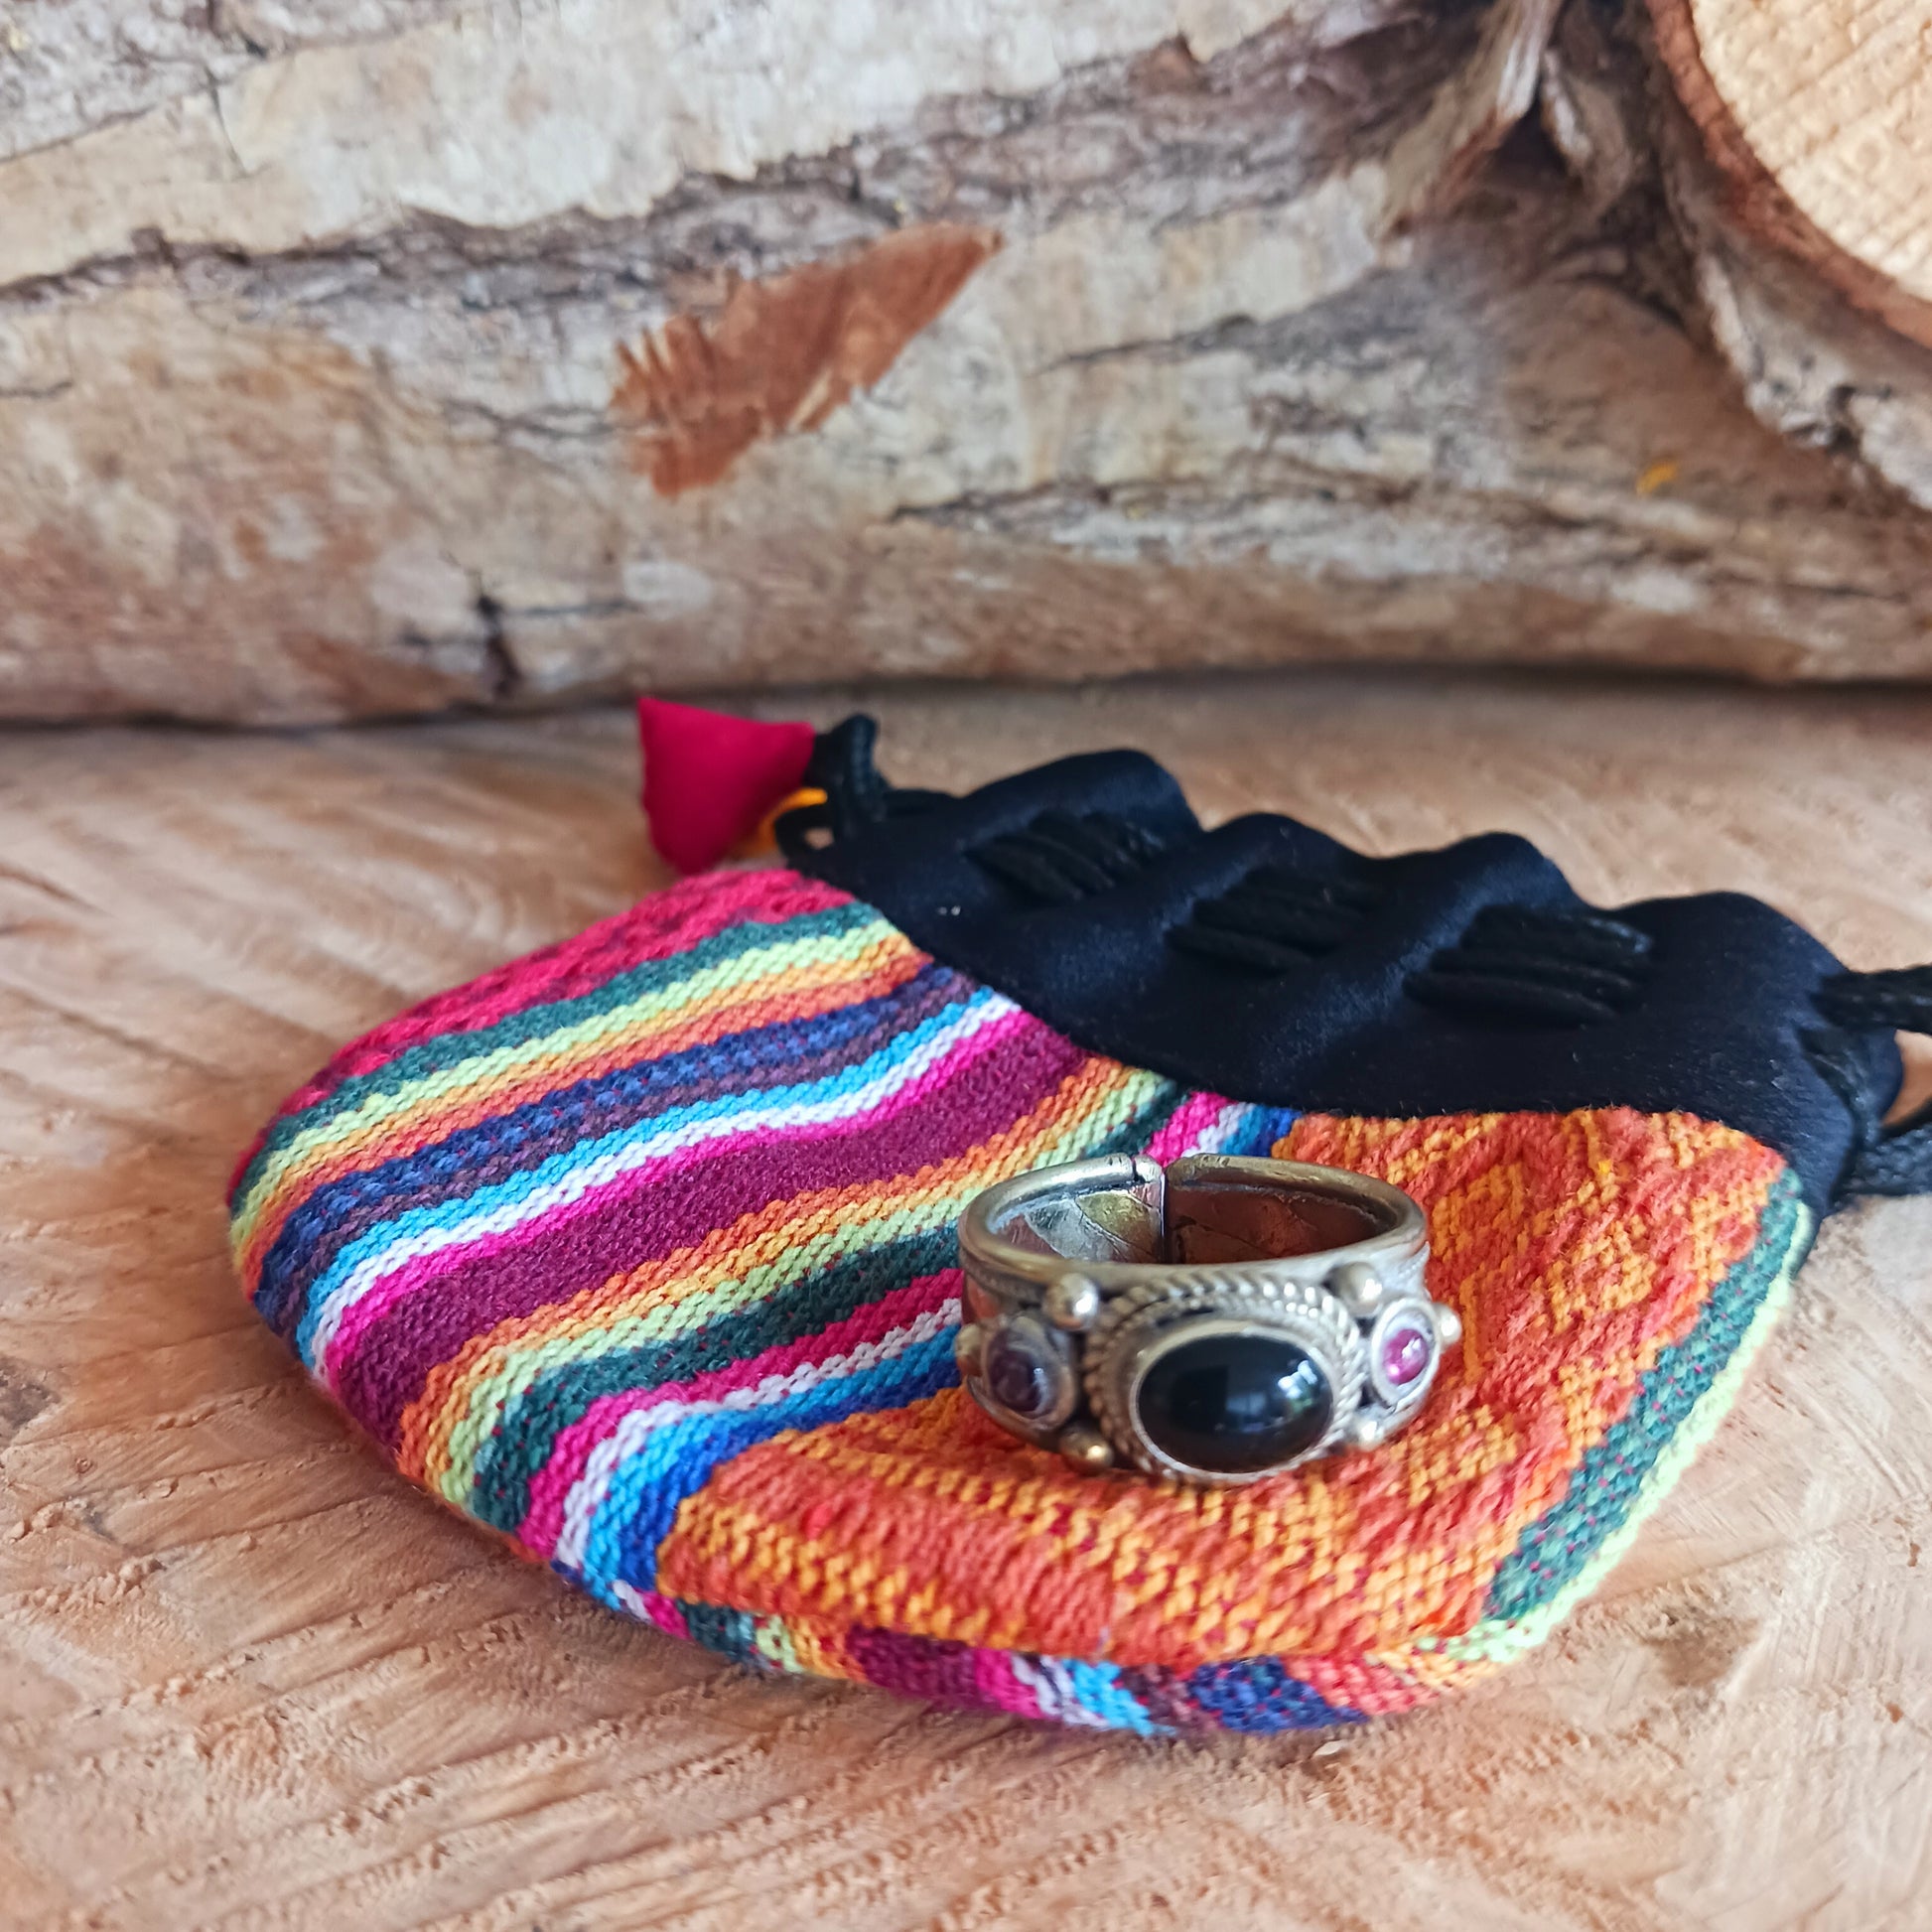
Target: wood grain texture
{"points": [[1820, 114], [249, 1679], [363, 357], [1824, 351]]}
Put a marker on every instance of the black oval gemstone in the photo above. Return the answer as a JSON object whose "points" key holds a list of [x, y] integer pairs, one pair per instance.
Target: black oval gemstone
{"points": [[1235, 1404], [1016, 1375]]}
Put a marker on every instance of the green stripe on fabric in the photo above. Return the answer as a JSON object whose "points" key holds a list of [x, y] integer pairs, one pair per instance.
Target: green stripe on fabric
{"points": [[511, 1421], [1560, 1544], [535, 1022]]}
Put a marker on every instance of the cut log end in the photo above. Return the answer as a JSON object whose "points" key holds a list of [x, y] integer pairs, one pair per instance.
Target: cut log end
{"points": [[1812, 111]]}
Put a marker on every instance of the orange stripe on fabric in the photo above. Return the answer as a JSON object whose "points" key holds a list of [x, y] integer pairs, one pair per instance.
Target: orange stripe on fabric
{"points": [[1020, 1559], [809, 992], [754, 1240], [1579, 1247]]}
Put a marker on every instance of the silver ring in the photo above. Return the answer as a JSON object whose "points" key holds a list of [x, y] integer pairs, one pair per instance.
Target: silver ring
{"points": [[1216, 1321]]}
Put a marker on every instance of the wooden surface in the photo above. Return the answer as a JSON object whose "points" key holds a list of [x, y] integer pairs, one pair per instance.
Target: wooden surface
{"points": [[249, 1679]]}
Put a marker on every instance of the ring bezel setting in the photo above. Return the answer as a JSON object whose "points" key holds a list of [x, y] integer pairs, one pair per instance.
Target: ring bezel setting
{"points": [[1200, 1369]]}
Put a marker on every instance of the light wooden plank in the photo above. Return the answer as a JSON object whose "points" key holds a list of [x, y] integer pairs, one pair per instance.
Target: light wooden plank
{"points": [[249, 1679]]}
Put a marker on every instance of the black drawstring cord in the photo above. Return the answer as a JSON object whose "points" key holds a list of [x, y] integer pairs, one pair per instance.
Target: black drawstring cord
{"points": [[1900, 999], [1276, 918], [1565, 967], [1562, 967], [856, 794], [1894, 1160], [1568, 967]]}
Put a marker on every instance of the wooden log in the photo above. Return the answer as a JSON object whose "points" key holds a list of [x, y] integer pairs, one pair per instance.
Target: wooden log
{"points": [[249, 1678], [1815, 113], [393, 354], [1781, 139]]}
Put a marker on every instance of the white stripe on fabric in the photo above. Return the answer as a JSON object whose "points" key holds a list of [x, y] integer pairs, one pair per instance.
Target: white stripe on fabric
{"points": [[587, 1493], [849, 1107]]}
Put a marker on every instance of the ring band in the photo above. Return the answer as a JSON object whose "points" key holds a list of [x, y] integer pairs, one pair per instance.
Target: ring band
{"points": [[1216, 1321]]}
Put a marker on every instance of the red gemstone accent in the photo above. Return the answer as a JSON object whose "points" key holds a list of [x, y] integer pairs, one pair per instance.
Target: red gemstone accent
{"points": [[1405, 1355]]}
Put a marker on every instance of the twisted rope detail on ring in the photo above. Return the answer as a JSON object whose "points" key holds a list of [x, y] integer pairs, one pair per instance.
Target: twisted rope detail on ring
{"points": [[641, 1251]]}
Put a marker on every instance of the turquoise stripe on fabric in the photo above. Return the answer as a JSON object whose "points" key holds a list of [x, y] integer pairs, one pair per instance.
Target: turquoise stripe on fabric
{"points": [[676, 1461], [1099, 1692], [530, 1024], [1258, 1129], [561, 1167], [1557, 1546], [880, 1258]]}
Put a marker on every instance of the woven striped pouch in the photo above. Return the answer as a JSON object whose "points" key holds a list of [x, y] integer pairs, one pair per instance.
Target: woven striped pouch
{"points": [[641, 1251]]}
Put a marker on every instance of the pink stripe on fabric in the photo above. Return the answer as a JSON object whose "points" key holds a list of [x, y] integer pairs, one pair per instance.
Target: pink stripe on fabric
{"points": [[390, 1369], [664, 1612], [570, 1456], [995, 1679], [668, 922], [1188, 1126], [822, 1137]]}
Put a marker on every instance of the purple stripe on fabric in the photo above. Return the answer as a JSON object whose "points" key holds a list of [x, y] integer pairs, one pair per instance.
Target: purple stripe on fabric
{"points": [[644, 1218], [398, 1283], [425, 1177], [937, 1669]]}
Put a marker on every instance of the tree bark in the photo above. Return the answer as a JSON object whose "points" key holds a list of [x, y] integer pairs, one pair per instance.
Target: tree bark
{"points": [[407, 355]]}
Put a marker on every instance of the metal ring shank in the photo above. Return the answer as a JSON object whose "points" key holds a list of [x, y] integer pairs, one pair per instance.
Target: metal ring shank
{"points": [[1216, 1321], [1115, 1219]]}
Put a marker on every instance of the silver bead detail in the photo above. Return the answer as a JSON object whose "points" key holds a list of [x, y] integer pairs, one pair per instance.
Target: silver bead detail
{"points": [[967, 1346], [1366, 1432], [1358, 1288], [1086, 1448], [1449, 1325], [1072, 1302]]}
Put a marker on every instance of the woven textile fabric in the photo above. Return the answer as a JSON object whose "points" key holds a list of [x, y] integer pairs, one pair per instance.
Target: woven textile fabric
{"points": [[641, 1252]]}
